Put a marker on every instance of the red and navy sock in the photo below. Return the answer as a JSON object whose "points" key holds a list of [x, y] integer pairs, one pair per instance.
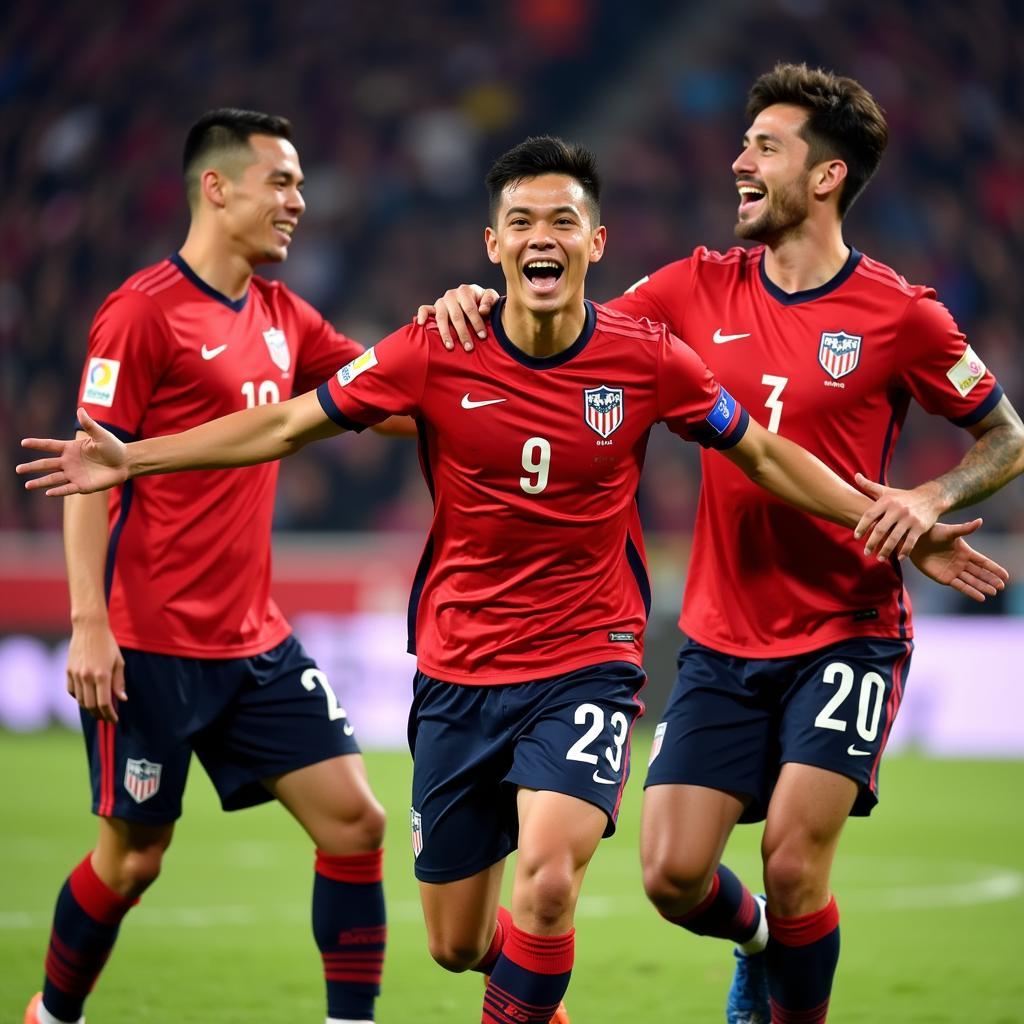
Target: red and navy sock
{"points": [[351, 930], [501, 930], [529, 979], [729, 911], [801, 959], [85, 924]]}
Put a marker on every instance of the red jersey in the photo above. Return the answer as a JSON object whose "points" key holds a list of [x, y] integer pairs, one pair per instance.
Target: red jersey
{"points": [[188, 563], [833, 369], [534, 563]]}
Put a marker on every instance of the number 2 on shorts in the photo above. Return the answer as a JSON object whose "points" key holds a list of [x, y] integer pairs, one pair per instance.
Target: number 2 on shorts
{"points": [[310, 679]]}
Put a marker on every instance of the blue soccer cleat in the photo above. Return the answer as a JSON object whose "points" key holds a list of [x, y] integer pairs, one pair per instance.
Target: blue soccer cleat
{"points": [[748, 1001]]}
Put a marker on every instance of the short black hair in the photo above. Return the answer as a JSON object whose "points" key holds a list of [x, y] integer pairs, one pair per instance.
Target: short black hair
{"points": [[224, 129], [843, 120], [545, 154]]}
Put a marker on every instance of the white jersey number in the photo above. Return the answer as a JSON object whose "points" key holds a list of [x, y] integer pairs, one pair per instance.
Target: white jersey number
{"points": [[536, 462], [869, 705], [312, 678], [267, 393], [619, 722], [774, 399]]}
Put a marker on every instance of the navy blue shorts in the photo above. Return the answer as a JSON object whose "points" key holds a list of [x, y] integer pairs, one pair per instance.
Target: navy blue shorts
{"points": [[731, 723], [246, 718], [473, 746]]}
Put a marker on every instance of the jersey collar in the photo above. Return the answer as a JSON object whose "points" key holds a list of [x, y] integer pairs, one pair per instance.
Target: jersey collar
{"points": [[544, 362], [794, 298], [237, 305]]}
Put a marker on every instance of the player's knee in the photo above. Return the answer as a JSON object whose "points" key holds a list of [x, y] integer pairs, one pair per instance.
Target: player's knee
{"points": [[138, 870], [454, 956], [548, 894], [675, 886], [791, 880], [372, 824]]}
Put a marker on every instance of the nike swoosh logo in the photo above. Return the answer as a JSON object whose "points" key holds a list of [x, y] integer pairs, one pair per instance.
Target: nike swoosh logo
{"points": [[212, 353], [468, 403], [605, 782], [720, 339], [854, 752]]}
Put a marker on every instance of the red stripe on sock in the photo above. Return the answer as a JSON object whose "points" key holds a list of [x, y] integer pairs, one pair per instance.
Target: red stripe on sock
{"points": [[95, 897], [542, 954], [712, 895], [815, 1015], [802, 931], [355, 868]]}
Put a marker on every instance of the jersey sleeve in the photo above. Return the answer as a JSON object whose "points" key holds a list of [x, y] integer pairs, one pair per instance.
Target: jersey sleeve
{"points": [[692, 403], [323, 349], [939, 368], [661, 297], [386, 380], [127, 354]]}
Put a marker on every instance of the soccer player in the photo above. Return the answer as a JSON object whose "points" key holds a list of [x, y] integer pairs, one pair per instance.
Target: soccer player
{"points": [[529, 604], [177, 645], [783, 704]]}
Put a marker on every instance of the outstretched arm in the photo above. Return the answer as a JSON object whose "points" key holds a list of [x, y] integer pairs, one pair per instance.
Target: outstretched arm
{"points": [[101, 461], [799, 478], [995, 458]]}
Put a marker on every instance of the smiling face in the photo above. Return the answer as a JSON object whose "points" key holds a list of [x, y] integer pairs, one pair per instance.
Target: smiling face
{"points": [[262, 199], [545, 241], [772, 176]]}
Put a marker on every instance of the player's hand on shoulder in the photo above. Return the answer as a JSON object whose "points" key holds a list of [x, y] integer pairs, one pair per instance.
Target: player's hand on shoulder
{"points": [[896, 519], [96, 462], [461, 310], [944, 556], [95, 669]]}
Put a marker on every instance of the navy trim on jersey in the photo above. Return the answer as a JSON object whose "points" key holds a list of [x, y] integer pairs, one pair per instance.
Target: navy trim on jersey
{"points": [[643, 581], [418, 582], [726, 441], [127, 492], [894, 420], [901, 599], [330, 407], [237, 305], [543, 362], [978, 414], [794, 298]]}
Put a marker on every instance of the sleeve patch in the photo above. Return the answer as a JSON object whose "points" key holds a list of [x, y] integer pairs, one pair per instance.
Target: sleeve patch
{"points": [[722, 413], [362, 362], [101, 381], [966, 372]]}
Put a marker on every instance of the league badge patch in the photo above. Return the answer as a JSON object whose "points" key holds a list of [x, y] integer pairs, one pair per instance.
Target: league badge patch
{"points": [[839, 353], [277, 344], [966, 372], [363, 361], [417, 833], [141, 778], [101, 381], [602, 409]]}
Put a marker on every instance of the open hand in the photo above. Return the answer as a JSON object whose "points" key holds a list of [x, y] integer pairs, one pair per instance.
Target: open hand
{"points": [[94, 463], [943, 555], [896, 519]]}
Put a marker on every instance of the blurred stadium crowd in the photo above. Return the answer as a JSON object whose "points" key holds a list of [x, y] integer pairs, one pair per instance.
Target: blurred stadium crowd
{"points": [[398, 109]]}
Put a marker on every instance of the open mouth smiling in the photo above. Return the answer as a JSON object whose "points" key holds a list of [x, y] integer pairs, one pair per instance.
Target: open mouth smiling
{"points": [[543, 274]]}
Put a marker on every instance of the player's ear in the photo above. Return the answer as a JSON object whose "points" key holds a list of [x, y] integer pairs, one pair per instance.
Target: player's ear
{"points": [[597, 243], [213, 186], [491, 241], [828, 176]]}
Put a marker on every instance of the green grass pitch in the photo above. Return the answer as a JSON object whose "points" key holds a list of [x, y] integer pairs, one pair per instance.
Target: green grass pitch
{"points": [[931, 890]]}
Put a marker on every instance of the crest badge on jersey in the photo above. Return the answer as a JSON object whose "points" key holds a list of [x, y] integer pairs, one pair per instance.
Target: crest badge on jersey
{"points": [[277, 344], [839, 353], [141, 778], [417, 833], [603, 409]]}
